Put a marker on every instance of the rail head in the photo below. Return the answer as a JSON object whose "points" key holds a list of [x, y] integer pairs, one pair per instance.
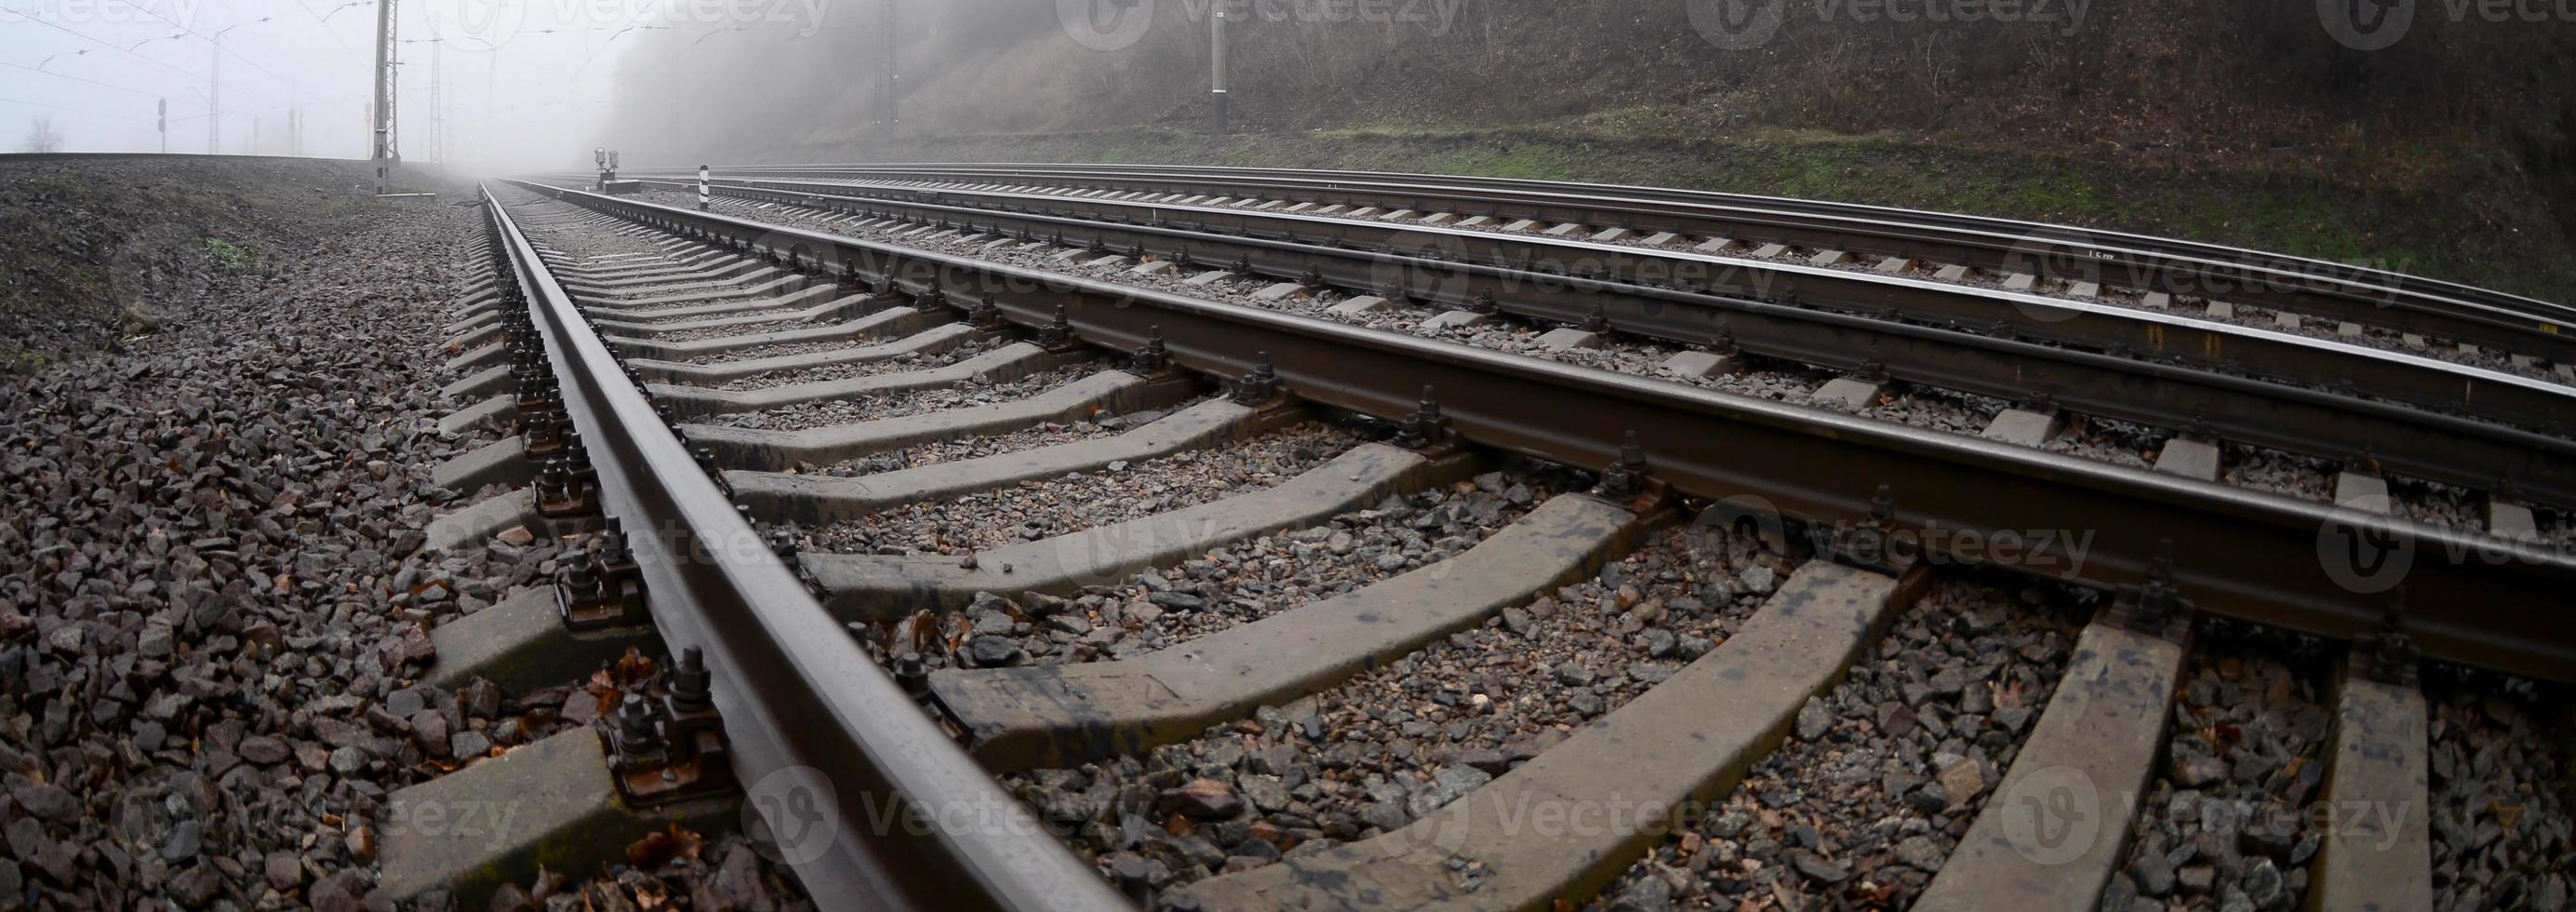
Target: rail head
{"points": [[874, 805], [2237, 265], [2421, 423], [2040, 310]]}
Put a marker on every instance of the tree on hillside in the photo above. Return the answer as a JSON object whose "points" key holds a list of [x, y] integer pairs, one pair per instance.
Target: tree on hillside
{"points": [[42, 137]]}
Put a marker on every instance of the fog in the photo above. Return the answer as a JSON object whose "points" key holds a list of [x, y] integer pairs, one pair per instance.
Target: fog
{"points": [[484, 86], [500, 86]]}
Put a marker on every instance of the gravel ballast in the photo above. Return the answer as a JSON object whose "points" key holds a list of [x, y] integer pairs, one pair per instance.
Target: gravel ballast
{"points": [[2225, 824], [211, 591], [762, 352], [1398, 742], [1099, 425], [1039, 509], [212, 605], [914, 361], [1882, 774], [1160, 608], [964, 394], [2502, 767]]}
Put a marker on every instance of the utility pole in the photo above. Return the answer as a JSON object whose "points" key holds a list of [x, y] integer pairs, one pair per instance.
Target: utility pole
{"points": [[164, 121], [437, 109], [215, 100], [1216, 67], [385, 153]]}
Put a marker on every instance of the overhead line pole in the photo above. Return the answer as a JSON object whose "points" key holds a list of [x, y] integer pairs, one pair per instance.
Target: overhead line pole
{"points": [[385, 151], [437, 107], [215, 99]]}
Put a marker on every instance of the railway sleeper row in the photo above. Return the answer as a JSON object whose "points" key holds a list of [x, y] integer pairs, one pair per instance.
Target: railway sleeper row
{"points": [[1554, 275], [2013, 425], [2039, 260], [2193, 451], [1689, 738], [2355, 487]]}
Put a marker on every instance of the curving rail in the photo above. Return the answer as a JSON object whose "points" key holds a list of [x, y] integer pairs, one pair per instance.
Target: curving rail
{"points": [[794, 690]]}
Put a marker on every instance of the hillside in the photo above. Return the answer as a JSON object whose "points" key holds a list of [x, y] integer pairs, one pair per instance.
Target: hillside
{"points": [[103, 250], [2447, 153]]}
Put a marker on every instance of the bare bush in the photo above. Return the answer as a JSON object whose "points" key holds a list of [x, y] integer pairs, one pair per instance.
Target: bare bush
{"points": [[42, 137]]}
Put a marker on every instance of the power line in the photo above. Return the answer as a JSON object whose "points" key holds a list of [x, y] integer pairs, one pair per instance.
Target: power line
{"points": [[619, 29], [236, 55], [79, 79], [326, 17], [131, 52], [185, 32], [81, 111], [219, 46], [112, 47], [326, 29], [126, 89]]}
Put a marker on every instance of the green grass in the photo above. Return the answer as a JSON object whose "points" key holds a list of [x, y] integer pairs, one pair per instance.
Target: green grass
{"points": [[18, 360], [2443, 232], [231, 257]]}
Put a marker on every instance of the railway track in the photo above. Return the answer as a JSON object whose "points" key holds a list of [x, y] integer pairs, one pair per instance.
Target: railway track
{"points": [[2280, 390], [930, 492], [1989, 249]]}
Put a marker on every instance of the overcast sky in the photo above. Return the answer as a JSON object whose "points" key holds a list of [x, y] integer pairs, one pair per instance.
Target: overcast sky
{"points": [[524, 83]]}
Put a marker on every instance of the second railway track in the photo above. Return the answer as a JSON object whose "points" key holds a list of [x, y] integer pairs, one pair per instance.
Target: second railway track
{"points": [[2460, 425], [2001, 248], [932, 518]]}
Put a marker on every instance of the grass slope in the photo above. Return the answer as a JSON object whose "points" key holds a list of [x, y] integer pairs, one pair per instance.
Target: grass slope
{"points": [[2440, 222]]}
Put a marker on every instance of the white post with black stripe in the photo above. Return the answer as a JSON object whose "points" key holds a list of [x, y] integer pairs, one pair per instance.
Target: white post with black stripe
{"points": [[702, 188]]}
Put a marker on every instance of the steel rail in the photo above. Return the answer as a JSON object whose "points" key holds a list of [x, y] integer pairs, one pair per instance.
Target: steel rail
{"points": [[918, 824], [2066, 322], [2241, 553], [2046, 353], [2368, 296], [2218, 260]]}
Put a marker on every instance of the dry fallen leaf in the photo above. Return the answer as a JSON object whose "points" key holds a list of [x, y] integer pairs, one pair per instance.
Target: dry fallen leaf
{"points": [[634, 667], [659, 849], [653, 851]]}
